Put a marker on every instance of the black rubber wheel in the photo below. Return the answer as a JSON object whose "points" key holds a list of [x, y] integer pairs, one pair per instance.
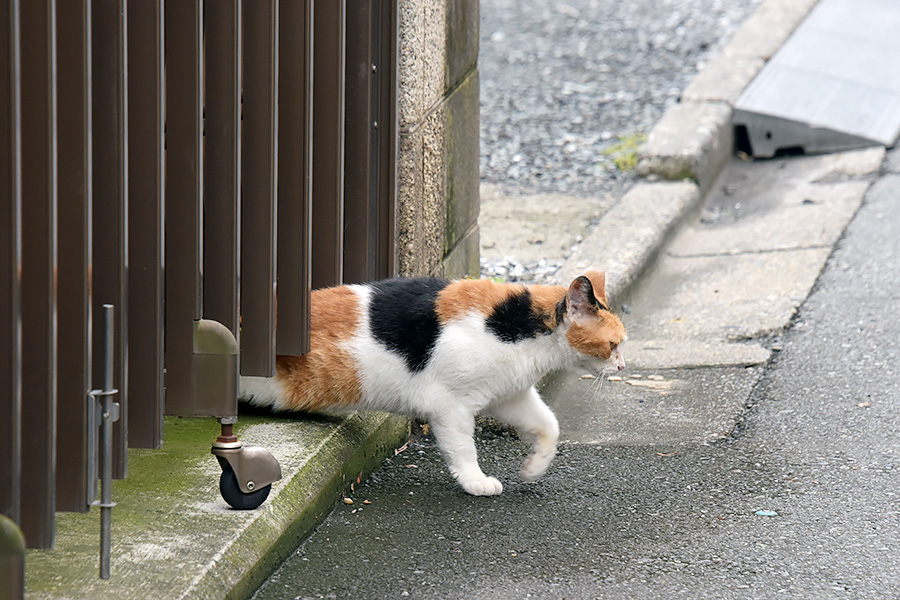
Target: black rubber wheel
{"points": [[231, 491]]}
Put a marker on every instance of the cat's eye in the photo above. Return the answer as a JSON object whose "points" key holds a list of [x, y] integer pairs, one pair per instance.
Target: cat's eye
{"points": [[613, 346]]}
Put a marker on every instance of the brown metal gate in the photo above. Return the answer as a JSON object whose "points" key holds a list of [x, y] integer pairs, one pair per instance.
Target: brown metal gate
{"points": [[198, 159]]}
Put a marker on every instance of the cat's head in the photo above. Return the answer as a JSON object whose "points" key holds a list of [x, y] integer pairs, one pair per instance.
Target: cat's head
{"points": [[593, 331]]}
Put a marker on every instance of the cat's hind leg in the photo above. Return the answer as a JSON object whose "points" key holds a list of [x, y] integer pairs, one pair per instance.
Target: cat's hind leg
{"points": [[454, 430], [527, 412]]}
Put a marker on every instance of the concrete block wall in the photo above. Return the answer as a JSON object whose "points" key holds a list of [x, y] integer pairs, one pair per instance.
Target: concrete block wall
{"points": [[437, 213]]}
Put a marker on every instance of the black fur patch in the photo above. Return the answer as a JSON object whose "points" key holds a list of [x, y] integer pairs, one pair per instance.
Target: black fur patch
{"points": [[560, 311], [402, 317], [515, 319]]}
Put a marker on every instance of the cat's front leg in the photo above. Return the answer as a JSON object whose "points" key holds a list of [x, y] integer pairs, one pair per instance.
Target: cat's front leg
{"points": [[454, 430], [527, 412]]}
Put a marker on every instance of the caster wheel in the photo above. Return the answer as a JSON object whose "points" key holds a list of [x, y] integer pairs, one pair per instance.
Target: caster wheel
{"points": [[231, 491]]}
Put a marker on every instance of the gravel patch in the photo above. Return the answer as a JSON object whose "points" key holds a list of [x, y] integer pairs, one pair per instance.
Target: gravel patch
{"points": [[563, 81]]}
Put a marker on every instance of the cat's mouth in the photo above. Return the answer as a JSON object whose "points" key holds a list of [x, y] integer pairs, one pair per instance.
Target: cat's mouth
{"points": [[604, 367]]}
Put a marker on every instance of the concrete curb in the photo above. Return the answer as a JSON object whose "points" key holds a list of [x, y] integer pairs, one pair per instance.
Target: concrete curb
{"points": [[692, 141], [173, 535]]}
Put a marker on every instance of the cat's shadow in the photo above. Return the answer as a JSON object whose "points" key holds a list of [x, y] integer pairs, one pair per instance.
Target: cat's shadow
{"points": [[265, 411]]}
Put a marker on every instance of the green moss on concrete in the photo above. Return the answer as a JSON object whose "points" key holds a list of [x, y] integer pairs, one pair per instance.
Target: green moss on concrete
{"points": [[624, 153], [669, 168], [461, 161], [461, 40], [172, 533]]}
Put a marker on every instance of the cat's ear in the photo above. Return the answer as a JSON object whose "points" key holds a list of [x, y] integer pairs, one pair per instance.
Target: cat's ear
{"points": [[580, 298], [598, 281]]}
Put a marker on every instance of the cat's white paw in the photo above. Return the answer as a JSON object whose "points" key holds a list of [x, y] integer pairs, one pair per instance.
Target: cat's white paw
{"points": [[482, 486], [536, 465]]}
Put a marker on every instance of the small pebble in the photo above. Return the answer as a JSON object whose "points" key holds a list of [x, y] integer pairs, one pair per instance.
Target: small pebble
{"points": [[766, 513], [614, 378], [655, 377], [348, 500], [367, 502], [637, 376], [588, 376]]}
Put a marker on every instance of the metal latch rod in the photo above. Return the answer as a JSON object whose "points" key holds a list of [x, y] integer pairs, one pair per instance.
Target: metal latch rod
{"points": [[109, 414]]}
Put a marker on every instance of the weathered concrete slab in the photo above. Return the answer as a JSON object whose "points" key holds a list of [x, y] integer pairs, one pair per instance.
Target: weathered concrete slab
{"points": [[806, 216], [725, 297], [530, 228], [650, 407], [692, 354], [782, 204]]}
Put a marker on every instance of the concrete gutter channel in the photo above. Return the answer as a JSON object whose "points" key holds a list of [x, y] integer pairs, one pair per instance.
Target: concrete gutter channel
{"points": [[174, 537]]}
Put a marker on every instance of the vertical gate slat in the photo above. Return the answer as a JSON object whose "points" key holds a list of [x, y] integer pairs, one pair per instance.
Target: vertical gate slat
{"points": [[184, 166], [38, 267], [145, 223], [259, 207], [221, 178], [359, 252], [386, 28], [10, 265], [110, 193], [294, 176], [73, 491], [328, 136]]}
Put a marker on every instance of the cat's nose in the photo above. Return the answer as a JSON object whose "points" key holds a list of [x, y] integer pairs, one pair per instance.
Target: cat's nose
{"points": [[620, 367]]}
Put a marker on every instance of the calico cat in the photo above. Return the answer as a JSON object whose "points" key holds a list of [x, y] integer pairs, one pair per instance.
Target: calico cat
{"points": [[445, 351]]}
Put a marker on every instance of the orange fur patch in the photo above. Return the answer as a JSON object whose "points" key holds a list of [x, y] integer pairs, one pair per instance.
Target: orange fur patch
{"points": [[326, 377], [462, 297], [595, 336], [544, 298]]}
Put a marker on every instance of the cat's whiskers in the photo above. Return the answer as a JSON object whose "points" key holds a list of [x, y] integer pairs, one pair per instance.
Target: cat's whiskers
{"points": [[632, 322], [592, 388], [597, 385], [602, 383]]}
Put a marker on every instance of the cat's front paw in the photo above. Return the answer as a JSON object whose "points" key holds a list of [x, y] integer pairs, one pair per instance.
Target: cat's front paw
{"points": [[482, 486], [536, 465]]}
